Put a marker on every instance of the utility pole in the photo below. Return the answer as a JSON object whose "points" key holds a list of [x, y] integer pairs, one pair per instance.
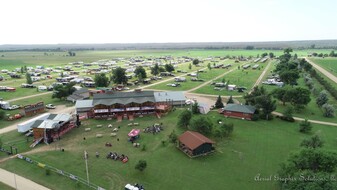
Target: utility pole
{"points": [[86, 164]]}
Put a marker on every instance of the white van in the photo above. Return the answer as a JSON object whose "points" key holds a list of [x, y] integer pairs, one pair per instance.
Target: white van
{"points": [[4, 105]]}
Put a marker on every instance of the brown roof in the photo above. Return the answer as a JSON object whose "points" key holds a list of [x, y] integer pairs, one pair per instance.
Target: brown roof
{"points": [[193, 139]]}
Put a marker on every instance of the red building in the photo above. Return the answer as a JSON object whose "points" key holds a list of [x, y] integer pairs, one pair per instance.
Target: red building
{"points": [[238, 111], [195, 144]]}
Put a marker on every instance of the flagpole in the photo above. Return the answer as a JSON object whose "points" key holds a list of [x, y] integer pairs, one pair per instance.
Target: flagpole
{"points": [[86, 164]]}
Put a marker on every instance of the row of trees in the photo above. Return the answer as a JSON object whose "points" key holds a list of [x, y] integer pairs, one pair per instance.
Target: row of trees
{"points": [[297, 97], [322, 97], [331, 54]]}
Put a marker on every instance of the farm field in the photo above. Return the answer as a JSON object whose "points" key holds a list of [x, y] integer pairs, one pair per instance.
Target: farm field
{"points": [[259, 143], [328, 63]]}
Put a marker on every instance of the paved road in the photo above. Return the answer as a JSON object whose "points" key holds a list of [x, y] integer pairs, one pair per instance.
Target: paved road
{"points": [[322, 70], [18, 182]]}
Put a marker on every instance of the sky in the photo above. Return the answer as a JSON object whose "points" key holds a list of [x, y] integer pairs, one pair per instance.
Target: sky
{"points": [[161, 21]]}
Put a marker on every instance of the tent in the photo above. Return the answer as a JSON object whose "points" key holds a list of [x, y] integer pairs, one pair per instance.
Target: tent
{"points": [[134, 132]]}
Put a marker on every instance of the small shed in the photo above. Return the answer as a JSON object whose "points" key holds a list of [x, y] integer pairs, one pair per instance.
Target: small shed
{"points": [[195, 144]]}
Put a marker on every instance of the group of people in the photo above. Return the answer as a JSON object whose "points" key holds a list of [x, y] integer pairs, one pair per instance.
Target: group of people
{"points": [[156, 128], [116, 156]]}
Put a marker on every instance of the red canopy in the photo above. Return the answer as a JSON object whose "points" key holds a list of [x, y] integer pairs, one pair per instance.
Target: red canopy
{"points": [[134, 132]]}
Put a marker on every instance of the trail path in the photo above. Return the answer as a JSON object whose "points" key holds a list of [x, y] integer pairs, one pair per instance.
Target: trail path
{"points": [[322, 70], [31, 96]]}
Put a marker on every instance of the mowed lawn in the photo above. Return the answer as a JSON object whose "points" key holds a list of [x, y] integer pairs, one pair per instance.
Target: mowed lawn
{"points": [[240, 78], [254, 148], [206, 76], [5, 187]]}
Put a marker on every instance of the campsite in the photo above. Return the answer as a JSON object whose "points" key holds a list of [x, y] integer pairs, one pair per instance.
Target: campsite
{"points": [[244, 150]]}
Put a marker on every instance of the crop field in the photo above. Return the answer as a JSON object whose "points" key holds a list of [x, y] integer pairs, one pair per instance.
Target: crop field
{"points": [[253, 144]]}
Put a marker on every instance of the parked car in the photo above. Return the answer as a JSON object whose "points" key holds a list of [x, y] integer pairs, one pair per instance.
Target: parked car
{"points": [[14, 107], [50, 106]]}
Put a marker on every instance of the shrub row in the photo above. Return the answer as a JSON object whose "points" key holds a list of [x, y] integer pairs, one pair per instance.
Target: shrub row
{"points": [[324, 83]]}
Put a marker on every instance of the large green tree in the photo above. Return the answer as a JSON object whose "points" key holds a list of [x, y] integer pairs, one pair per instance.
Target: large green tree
{"points": [[184, 118], [310, 169], [289, 76], [29, 79], [196, 62], [202, 124], [63, 91], [299, 97], [140, 72], [119, 76], [266, 104], [169, 67], [155, 70], [218, 103], [101, 80]]}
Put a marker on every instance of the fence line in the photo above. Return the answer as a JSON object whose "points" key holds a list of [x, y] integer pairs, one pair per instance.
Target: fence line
{"points": [[61, 172]]}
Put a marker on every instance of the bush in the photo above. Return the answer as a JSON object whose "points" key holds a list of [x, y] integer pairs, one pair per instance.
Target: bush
{"points": [[47, 171], [141, 165], [173, 137], [328, 110], [305, 126], [2, 115], [255, 117], [144, 147], [284, 118]]}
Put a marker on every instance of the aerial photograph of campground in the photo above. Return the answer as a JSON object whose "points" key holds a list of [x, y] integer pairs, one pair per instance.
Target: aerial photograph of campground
{"points": [[169, 95]]}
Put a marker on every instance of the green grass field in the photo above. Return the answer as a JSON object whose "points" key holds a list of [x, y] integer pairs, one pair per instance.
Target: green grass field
{"points": [[255, 148], [5, 187]]}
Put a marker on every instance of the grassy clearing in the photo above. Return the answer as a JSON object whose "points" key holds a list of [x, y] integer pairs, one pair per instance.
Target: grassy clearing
{"points": [[263, 146]]}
